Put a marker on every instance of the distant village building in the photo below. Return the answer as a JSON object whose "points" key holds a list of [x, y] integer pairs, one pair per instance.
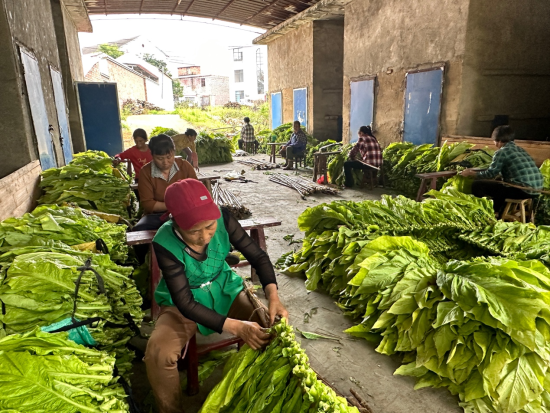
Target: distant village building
{"points": [[203, 90], [248, 77]]}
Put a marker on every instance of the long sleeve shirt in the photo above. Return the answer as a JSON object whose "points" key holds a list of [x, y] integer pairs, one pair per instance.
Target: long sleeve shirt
{"points": [[152, 185], [173, 272], [515, 165], [298, 141], [369, 151], [247, 133]]}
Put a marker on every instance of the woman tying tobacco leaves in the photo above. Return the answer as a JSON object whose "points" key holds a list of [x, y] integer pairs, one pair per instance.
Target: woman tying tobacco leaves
{"points": [[199, 291]]}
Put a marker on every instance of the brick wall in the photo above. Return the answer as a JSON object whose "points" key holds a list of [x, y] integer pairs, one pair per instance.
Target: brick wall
{"points": [[191, 70], [218, 86], [129, 85]]}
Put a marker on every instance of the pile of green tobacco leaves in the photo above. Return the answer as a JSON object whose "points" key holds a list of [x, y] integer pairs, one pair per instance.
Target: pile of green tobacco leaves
{"points": [[43, 372], [38, 289], [463, 298], [213, 148], [282, 134], [89, 181], [336, 168], [403, 160], [52, 225], [275, 380]]}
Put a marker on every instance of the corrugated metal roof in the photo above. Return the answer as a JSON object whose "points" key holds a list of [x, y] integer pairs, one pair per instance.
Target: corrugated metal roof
{"points": [[258, 13]]}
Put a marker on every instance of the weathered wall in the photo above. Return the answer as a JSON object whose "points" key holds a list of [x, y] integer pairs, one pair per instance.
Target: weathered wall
{"points": [[20, 190], [328, 56], [15, 126], [507, 68], [385, 38], [71, 69], [290, 66]]}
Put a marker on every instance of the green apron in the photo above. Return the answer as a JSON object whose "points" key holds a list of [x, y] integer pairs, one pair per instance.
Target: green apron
{"points": [[213, 283]]}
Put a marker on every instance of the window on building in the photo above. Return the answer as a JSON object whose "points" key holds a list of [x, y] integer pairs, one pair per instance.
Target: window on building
{"points": [[237, 55], [239, 95], [203, 82], [239, 76]]}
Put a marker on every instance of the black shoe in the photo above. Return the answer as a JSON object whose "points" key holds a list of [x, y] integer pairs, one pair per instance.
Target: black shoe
{"points": [[232, 259]]}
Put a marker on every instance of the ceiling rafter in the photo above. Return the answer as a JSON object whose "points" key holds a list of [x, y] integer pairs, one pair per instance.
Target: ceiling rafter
{"points": [[176, 6]]}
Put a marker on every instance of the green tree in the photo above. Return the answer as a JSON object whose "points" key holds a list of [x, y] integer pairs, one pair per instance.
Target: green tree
{"points": [[111, 50], [159, 64], [177, 89]]}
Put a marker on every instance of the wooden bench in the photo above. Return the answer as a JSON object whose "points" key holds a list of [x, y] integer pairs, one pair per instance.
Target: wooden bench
{"points": [[320, 166], [254, 226], [432, 177], [273, 153]]}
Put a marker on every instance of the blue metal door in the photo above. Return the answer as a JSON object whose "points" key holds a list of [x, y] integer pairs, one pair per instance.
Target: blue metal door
{"points": [[362, 106], [300, 106], [422, 106], [100, 116], [59, 97], [276, 110], [33, 81]]}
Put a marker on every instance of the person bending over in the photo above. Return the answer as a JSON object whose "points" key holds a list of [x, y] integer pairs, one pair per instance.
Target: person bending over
{"points": [[295, 147], [165, 169], [139, 154], [185, 146], [199, 291], [515, 166], [366, 151]]}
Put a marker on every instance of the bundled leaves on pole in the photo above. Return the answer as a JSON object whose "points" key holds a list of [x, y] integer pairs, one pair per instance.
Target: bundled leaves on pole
{"points": [[463, 298], [91, 182], [213, 148], [52, 225], [278, 379], [43, 372], [38, 289]]}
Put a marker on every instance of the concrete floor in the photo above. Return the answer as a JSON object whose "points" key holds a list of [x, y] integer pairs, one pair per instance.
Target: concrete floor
{"points": [[349, 363]]}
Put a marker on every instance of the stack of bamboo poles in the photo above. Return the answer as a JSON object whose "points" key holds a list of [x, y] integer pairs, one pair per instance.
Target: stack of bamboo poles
{"points": [[258, 164], [227, 199], [303, 186]]}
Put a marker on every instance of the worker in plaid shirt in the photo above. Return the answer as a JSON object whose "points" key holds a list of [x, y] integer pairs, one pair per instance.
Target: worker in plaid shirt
{"points": [[515, 166], [247, 134], [366, 151]]}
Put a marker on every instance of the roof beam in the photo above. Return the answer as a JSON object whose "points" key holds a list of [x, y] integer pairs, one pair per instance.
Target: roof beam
{"points": [[175, 7], [141, 6], [188, 7], [262, 10], [224, 9]]}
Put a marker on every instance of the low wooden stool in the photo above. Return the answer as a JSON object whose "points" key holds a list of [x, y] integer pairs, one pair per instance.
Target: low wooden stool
{"points": [[320, 165], [520, 210], [250, 147], [430, 177]]}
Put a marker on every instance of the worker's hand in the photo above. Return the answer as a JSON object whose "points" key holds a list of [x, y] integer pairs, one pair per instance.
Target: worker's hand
{"points": [[468, 172], [277, 309], [251, 333], [116, 161]]}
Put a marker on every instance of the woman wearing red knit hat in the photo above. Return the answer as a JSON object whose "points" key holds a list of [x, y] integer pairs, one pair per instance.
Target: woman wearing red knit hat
{"points": [[199, 290]]}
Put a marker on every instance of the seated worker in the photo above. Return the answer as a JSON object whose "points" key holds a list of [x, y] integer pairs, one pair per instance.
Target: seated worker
{"points": [[165, 169], [515, 166], [247, 135], [139, 154], [199, 291], [185, 146], [295, 147], [367, 150]]}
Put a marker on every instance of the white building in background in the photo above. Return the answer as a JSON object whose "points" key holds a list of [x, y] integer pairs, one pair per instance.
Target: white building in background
{"points": [[248, 76]]}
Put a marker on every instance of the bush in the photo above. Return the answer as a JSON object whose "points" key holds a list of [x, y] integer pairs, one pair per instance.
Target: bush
{"points": [[167, 131]]}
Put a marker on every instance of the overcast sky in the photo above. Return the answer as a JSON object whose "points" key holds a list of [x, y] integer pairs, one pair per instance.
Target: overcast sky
{"points": [[195, 40]]}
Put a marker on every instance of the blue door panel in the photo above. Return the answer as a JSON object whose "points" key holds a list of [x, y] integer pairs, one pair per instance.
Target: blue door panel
{"points": [[276, 110], [100, 116], [422, 106], [33, 81], [59, 97], [362, 106], [300, 106]]}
